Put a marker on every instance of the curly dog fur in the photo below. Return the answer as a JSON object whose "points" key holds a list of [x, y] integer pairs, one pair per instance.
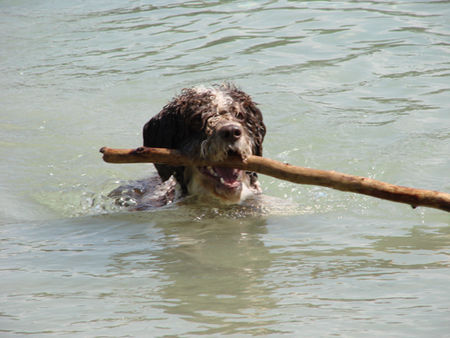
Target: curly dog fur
{"points": [[209, 123]]}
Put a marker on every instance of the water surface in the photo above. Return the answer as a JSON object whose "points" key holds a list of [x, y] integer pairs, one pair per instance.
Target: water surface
{"points": [[360, 87]]}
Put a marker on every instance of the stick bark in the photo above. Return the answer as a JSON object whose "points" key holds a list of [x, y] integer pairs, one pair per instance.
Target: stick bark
{"points": [[295, 174]]}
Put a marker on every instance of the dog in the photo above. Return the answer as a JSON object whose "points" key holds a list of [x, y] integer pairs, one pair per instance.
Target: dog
{"points": [[209, 123]]}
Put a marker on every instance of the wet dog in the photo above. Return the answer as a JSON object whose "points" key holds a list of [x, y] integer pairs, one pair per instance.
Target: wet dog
{"points": [[208, 123]]}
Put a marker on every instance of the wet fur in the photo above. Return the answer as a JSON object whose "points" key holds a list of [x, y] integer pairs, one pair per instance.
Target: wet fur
{"points": [[192, 123]]}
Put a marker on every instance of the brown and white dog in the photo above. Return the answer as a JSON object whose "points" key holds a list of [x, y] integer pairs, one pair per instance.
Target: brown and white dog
{"points": [[209, 123]]}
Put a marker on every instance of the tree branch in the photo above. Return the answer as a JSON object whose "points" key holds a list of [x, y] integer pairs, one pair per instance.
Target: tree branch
{"points": [[295, 174]]}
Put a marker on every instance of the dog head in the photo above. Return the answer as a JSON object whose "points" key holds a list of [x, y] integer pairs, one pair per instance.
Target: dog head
{"points": [[209, 123]]}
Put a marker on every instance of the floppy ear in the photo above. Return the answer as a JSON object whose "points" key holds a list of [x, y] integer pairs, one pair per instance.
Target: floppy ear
{"points": [[256, 125], [258, 131], [166, 130], [253, 118]]}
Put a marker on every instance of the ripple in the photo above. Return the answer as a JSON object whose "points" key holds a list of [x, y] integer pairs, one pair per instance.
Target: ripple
{"points": [[357, 86]]}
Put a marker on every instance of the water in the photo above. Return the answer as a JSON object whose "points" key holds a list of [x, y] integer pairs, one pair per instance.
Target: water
{"points": [[355, 86]]}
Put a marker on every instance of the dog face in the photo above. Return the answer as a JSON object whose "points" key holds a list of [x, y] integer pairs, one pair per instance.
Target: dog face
{"points": [[209, 123]]}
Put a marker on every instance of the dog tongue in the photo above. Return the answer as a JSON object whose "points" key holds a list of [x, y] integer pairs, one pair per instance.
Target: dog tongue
{"points": [[229, 175]]}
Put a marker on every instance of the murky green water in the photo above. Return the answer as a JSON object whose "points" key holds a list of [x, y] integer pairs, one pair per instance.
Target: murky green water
{"points": [[360, 87]]}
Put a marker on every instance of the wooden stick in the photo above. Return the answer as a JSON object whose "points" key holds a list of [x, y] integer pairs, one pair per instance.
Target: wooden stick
{"points": [[301, 175]]}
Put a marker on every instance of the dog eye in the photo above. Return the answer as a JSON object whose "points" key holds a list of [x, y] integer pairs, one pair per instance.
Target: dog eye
{"points": [[240, 116], [196, 122]]}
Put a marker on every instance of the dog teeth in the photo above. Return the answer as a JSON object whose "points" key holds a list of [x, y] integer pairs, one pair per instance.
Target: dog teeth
{"points": [[211, 171], [222, 180]]}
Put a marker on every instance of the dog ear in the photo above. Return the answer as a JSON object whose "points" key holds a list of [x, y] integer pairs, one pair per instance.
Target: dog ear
{"points": [[166, 130], [257, 126], [253, 118]]}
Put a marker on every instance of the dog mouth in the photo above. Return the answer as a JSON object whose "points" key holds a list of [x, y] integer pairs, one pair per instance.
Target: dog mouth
{"points": [[226, 178], [225, 183]]}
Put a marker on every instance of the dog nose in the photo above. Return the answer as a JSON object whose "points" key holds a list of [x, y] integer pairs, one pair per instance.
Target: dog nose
{"points": [[230, 132]]}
